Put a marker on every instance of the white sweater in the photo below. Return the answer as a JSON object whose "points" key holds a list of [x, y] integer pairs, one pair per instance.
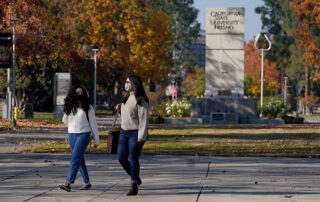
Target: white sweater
{"points": [[134, 116], [78, 123]]}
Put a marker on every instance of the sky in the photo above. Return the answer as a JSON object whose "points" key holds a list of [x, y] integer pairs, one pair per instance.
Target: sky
{"points": [[252, 20]]}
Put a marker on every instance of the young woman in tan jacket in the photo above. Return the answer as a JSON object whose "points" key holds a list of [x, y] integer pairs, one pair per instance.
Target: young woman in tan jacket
{"points": [[134, 129]]}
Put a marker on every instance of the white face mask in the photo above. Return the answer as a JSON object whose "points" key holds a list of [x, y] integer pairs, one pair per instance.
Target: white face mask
{"points": [[127, 86]]}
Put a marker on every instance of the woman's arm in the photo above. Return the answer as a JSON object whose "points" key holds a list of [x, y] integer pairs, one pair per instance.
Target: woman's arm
{"points": [[143, 122], [65, 118], [94, 126]]}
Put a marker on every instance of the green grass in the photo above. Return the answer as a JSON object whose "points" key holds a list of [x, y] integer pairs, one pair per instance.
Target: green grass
{"points": [[8, 128], [41, 116], [276, 142], [49, 115], [311, 115], [102, 113]]}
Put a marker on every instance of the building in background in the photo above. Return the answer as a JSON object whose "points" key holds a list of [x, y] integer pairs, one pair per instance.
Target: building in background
{"points": [[199, 49]]}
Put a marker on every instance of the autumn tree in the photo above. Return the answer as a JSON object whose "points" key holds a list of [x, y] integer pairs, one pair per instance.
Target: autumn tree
{"points": [[279, 21], [307, 32], [252, 70], [44, 46], [194, 83], [131, 37], [30, 43]]}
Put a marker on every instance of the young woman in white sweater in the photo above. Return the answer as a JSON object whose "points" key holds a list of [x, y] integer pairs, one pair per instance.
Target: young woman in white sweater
{"points": [[134, 129], [80, 117]]}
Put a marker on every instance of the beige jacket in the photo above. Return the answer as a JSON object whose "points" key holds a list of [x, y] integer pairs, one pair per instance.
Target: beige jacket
{"points": [[135, 117]]}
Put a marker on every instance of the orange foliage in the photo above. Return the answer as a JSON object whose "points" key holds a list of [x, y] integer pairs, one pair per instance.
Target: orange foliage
{"points": [[252, 69], [129, 34], [308, 18], [41, 33]]}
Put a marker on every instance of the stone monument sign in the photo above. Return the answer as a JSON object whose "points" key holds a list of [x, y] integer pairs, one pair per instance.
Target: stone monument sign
{"points": [[224, 102], [62, 83], [225, 52]]}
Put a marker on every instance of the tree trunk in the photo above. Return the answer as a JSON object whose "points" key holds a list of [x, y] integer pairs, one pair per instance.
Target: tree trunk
{"points": [[20, 100], [307, 80], [307, 87]]}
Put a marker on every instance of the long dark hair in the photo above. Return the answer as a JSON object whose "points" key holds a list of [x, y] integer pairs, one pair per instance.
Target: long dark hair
{"points": [[71, 101], [139, 92]]}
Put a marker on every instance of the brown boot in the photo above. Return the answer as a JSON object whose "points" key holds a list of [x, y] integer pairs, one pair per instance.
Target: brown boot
{"points": [[133, 190]]}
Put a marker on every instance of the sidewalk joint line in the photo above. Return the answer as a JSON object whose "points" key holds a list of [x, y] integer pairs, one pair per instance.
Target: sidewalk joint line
{"points": [[10, 177], [38, 195], [208, 169], [113, 185]]}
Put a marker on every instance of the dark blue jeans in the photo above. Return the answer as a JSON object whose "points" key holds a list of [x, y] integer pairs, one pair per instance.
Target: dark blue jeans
{"points": [[128, 153], [78, 145]]}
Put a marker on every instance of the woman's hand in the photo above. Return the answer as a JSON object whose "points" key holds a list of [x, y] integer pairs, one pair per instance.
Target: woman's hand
{"points": [[140, 140], [118, 107]]}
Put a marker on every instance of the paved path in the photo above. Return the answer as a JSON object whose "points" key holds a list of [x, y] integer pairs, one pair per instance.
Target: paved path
{"points": [[312, 119], [34, 177]]}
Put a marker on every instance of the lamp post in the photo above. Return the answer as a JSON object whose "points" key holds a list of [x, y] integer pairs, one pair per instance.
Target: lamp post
{"points": [[13, 121], [95, 79], [285, 90], [262, 57]]}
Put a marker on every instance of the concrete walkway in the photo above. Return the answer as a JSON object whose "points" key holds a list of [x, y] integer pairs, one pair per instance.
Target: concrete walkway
{"points": [[34, 177]]}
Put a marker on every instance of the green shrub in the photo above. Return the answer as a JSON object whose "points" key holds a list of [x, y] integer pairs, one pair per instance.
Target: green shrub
{"points": [[160, 109], [273, 107], [156, 119]]}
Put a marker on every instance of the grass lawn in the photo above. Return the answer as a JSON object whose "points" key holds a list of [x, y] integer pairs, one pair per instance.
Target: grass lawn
{"points": [[278, 141], [102, 113], [40, 119]]}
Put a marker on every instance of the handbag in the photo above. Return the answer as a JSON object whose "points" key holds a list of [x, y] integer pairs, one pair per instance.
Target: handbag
{"points": [[113, 137]]}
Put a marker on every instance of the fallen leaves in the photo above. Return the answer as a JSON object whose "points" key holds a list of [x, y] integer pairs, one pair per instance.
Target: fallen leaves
{"points": [[48, 160], [31, 124], [36, 184]]}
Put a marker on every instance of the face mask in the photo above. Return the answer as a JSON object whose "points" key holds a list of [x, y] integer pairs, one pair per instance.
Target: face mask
{"points": [[127, 86], [80, 97]]}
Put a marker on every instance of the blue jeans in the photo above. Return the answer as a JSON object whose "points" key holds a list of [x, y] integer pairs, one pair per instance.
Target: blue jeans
{"points": [[128, 153], [78, 145]]}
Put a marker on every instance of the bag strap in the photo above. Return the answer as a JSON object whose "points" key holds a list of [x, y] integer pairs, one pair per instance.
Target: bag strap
{"points": [[115, 119]]}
